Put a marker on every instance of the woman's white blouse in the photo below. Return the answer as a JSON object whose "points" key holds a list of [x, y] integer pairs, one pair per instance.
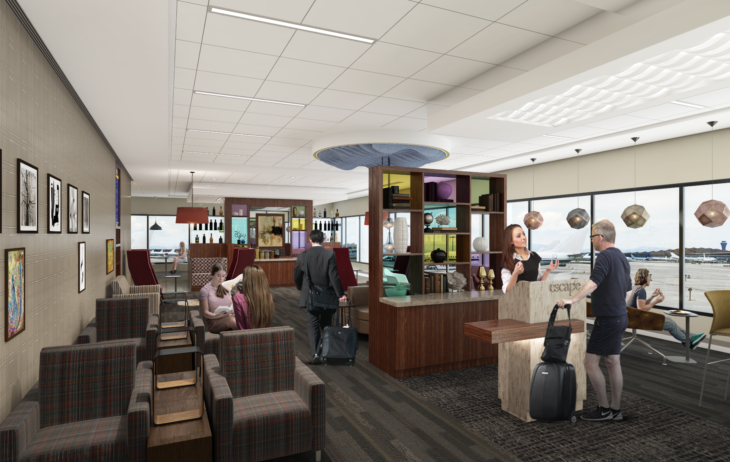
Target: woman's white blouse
{"points": [[507, 274]]}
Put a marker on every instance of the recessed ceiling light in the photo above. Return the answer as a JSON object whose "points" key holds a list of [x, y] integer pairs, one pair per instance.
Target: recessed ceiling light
{"points": [[558, 137], [291, 25], [228, 133], [248, 99], [682, 103]]}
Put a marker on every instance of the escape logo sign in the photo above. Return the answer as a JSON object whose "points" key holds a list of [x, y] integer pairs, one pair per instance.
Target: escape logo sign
{"points": [[565, 287]]}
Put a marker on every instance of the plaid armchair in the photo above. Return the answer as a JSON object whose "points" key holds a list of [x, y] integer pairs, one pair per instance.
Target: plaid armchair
{"points": [[262, 401], [89, 404], [200, 270], [206, 340], [121, 319], [122, 289]]}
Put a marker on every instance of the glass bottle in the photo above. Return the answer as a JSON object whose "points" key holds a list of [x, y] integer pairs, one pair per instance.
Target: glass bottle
{"points": [[220, 212], [213, 211], [211, 238], [197, 239], [220, 240], [324, 214], [337, 214]]}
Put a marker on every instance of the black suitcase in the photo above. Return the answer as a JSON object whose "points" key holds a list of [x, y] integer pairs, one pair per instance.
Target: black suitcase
{"points": [[339, 343], [553, 392]]}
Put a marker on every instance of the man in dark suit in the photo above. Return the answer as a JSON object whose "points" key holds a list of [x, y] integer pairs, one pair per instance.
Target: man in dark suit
{"points": [[322, 269]]}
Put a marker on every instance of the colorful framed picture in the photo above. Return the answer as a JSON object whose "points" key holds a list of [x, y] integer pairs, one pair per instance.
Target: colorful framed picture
{"points": [[270, 230], [82, 266], [73, 209], [27, 197], [54, 204], [109, 255], [85, 212], [14, 292]]}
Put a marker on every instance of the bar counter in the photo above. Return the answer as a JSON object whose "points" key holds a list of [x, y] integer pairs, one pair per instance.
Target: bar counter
{"points": [[441, 299], [279, 271]]}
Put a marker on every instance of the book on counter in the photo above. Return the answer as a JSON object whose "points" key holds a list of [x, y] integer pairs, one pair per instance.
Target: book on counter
{"points": [[435, 283], [392, 199]]}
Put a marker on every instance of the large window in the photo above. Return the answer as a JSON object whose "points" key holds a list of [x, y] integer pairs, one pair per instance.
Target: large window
{"points": [[516, 212], [364, 241], [139, 232], [165, 240], [351, 235], [706, 253]]}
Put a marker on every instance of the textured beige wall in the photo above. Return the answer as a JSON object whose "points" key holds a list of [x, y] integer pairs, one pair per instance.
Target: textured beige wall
{"points": [[348, 208], [159, 205], [41, 124], [679, 160]]}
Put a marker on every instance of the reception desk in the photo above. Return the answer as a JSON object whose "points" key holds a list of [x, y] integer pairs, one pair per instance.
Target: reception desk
{"points": [[422, 334], [279, 271]]}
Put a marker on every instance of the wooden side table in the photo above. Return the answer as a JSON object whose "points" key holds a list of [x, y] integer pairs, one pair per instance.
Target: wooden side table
{"points": [[181, 363], [191, 440]]}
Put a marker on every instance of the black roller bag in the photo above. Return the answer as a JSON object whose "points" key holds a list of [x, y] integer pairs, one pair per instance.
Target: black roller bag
{"points": [[553, 387], [339, 343]]}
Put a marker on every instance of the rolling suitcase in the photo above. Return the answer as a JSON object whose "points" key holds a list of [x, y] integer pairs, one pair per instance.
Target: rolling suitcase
{"points": [[339, 343], [553, 386]]}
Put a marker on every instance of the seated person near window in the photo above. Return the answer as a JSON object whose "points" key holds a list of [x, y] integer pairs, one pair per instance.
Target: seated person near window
{"points": [[519, 263], [253, 303], [636, 298], [212, 296]]}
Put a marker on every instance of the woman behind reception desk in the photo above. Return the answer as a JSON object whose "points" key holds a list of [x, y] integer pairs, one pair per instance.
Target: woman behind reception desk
{"points": [[520, 264]]}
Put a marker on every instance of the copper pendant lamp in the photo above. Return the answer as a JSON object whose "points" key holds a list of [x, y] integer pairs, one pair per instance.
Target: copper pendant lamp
{"points": [[712, 213], [533, 220], [192, 215], [635, 216], [578, 218]]}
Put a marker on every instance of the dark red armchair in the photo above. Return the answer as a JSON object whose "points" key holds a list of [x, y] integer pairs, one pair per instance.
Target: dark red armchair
{"points": [[344, 268], [241, 259]]}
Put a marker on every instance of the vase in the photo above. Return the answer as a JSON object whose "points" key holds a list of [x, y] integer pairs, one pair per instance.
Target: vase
{"points": [[438, 256], [401, 235], [480, 244], [443, 191]]}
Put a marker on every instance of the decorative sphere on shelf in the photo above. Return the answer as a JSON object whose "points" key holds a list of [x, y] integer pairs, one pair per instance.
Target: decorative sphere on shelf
{"points": [[443, 191], [438, 256], [427, 218], [481, 244], [578, 218]]}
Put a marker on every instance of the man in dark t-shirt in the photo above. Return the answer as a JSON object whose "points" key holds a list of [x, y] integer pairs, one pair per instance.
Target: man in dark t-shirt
{"points": [[609, 282]]}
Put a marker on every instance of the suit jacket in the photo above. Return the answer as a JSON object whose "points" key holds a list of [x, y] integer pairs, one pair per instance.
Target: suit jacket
{"points": [[322, 267]]}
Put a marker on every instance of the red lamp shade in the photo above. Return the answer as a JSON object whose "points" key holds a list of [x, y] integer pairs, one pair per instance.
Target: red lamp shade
{"points": [[192, 215], [367, 218]]}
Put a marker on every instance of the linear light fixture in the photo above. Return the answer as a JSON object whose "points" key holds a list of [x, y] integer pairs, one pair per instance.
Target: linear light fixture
{"points": [[214, 154], [682, 103], [249, 99], [291, 25], [558, 137], [228, 133]]}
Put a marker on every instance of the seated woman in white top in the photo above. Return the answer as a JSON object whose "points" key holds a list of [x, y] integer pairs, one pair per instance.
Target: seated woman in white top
{"points": [[520, 264]]}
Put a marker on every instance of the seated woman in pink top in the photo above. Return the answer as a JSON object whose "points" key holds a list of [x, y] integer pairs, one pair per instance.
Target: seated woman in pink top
{"points": [[212, 296], [253, 304]]}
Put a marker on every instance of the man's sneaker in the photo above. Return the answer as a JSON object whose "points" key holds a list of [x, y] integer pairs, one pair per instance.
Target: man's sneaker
{"points": [[696, 340], [600, 413], [617, 414]]}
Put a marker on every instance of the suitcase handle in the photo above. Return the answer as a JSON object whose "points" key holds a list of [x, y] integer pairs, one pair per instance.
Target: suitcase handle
{"points": [[554, 314], [349, 314]]}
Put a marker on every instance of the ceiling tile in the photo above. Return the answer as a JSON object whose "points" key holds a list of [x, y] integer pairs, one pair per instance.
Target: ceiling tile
{"points": [[579, 132], [370, 19], [609, 5], [542, 53], [287, 92], [485, 9], [406, 123], [342, 100], [466, 150], [186, 54], [285, 10], [228, 160], [450, 70], [546, 141], [293, 142], [180, 111], [309, 124], [365, 82], [487, 144], [621, 121], [182, 96], [258, 107], [184, 78], [220, 115], [217, 102], [178, 122], [265, 120], [304, 73], [242, 34], [366, 120], [254, 130], [512, 41], [434, 29], [662, 111], [195, 124], [416, 90], [178, 132], [397, 107], [283, 150], [385, 58], [198, 2], [298, 134], [227, 84], [199, 142], [596, 27], [247, 142], [190, 22], [324, 49], [324, 113], [711, 99], [235, 62], [548, 16], [205, 135], [198, 150]]}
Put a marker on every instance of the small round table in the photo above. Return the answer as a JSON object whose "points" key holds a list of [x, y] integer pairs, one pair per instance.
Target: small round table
{"points": [[687, 340], [174, 276]]}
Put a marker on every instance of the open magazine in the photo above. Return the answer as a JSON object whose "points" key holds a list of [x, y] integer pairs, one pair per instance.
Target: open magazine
{"points": [[223, 309]]}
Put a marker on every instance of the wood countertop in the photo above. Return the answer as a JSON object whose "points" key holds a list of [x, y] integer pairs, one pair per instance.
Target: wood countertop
{"points": [[510, 330], [274, 260], [442, 299]]}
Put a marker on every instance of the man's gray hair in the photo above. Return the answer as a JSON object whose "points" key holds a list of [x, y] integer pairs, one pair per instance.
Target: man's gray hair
{"points": [[606, 229]]}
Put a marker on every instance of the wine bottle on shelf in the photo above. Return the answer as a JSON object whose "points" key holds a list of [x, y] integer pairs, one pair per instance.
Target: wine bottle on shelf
{"points": [[211, 238], [195, 226], [220, 212], [337, 213], [213, 211], [197, 239], [332, 213], [223, 225], [220, 240]]}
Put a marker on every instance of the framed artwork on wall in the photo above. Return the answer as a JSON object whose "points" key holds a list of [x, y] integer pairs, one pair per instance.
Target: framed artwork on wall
{"points": [[27, 197], [270, 230], [73, 209], [14, 292], [109, 255], [82, 266], [85, 212], [54, 204]]}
